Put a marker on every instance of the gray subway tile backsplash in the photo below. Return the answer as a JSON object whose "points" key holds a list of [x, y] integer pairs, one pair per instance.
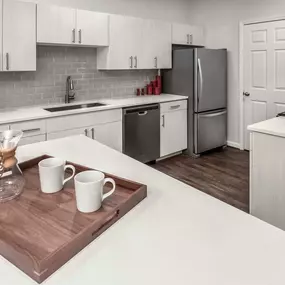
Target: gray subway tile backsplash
{"points": [[54, 64]]}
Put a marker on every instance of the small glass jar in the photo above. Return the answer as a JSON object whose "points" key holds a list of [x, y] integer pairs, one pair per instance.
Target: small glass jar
{"points": [[11, 177]]}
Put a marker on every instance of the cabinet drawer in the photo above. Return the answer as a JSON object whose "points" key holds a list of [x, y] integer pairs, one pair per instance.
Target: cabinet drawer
{"points": [[83, 120], [67, 133], [30, 128], [32, 139], [4, 127], [173, 106]]}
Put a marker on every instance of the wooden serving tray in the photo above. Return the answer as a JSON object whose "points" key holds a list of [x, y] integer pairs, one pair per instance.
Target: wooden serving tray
{"points": [[40, 232]]}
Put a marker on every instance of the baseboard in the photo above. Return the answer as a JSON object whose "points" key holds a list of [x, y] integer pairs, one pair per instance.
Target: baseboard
{"points": [[233, 144]]}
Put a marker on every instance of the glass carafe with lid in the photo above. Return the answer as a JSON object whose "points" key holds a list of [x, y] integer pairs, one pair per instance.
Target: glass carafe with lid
{"points": [[11, 178]]}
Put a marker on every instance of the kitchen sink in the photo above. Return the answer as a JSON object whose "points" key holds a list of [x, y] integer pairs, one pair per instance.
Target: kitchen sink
{"points": [[74, 107]]}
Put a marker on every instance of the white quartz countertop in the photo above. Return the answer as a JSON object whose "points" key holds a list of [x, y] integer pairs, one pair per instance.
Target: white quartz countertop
{"points": [[177, 235], [275, 126], [33, 113]]}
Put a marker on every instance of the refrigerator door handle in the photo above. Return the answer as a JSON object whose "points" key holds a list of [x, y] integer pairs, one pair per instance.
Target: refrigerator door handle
{"points": [[213, 115], [200, 93]]}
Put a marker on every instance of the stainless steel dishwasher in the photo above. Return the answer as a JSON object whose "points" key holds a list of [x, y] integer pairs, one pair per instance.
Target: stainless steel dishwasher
{"points": [[141, 132]]}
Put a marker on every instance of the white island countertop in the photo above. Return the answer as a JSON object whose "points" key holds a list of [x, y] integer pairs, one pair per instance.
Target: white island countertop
{"points": [[177, 235], [275, 127], [8, 116]]}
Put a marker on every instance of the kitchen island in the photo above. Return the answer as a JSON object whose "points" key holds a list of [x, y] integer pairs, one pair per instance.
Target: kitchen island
{"points": [[177, 235], [267, 175]]}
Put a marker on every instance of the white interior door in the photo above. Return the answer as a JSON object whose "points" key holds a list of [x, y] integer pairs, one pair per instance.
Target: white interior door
{"points": [[19, 36], [264, 73], [92, 28]]}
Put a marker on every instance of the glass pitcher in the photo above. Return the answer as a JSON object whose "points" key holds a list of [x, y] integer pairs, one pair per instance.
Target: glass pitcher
{"points": [[11, 177]]}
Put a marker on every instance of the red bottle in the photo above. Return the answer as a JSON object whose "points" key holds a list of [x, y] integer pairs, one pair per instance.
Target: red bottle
{"points": [[149, 89], [158, 80]]}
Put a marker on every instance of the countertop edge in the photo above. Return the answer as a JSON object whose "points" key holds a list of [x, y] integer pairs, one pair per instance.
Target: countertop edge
{"points": [[47, 115]]}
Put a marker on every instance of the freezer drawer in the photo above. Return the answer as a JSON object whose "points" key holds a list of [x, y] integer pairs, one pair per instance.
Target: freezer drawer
{"points": [[210, 130]]}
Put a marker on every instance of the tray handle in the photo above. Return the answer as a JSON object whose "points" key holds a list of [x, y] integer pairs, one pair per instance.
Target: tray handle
{"points": [[108, 221]]}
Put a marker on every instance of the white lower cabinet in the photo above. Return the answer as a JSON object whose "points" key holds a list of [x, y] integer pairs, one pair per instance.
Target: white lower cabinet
{"points": [[110, 135], [32, 139], [173, 128], [103, 126], [67, 133], [4, 128]]}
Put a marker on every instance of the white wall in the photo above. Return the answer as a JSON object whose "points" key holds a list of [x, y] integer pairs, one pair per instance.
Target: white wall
{"points": [[221, 20], [170, 10]]}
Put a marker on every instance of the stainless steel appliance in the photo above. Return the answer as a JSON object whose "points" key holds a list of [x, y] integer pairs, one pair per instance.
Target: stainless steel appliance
{"points": [[141, 132], [201, 75]]}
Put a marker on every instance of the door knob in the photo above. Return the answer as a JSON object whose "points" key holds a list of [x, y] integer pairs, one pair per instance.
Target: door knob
{"points": [[246, 94]]}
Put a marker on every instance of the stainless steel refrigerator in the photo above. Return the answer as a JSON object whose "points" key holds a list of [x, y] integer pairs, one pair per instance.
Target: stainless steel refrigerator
{"points": [[201, 75]]}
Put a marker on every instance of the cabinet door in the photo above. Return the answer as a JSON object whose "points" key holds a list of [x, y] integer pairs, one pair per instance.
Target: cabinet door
{"points": [[92, 28], [180, 34], [163, 45], [32, 139], [125, 44], [148, 54], [19, 36], [4, 128], [67, 133], [56, 25], [196, 36], [173, 132], [109, 134]]}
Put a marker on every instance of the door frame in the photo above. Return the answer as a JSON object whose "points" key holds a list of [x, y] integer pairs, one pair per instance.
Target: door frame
{"points": [[242, 25]]}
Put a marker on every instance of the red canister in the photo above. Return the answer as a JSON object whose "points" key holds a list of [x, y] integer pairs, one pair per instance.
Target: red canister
{"points": [[157, 91]]}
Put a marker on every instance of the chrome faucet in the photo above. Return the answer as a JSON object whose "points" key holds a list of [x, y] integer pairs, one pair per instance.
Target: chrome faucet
{"points": [[69, 88]]}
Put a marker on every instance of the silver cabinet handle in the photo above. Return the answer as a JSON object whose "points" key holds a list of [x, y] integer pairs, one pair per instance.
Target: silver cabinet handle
{"points": [[131, 60], [175, 107], [31, 130], [7, 61], [247, 94], [213, 115], [136, 62], [86, 132], [200, 93], [73, 35], [93, 133], [80, 36], [163, 121], [190, 39], [155, 62]]}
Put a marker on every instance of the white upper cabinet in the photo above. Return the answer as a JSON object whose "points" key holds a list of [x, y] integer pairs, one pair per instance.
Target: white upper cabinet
{"points": [[92, 28], [156, 51], [187, 35], [67, 26], [18, 36], [55, 25], [125, 44], [143, 44]]}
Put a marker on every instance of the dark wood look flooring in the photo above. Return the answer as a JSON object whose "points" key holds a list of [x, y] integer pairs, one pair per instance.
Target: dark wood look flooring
{"points": [[223, 174]]}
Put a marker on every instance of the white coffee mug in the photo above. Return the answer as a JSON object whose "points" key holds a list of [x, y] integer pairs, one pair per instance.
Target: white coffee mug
{"points": [[89, 190], [52, 174]]}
